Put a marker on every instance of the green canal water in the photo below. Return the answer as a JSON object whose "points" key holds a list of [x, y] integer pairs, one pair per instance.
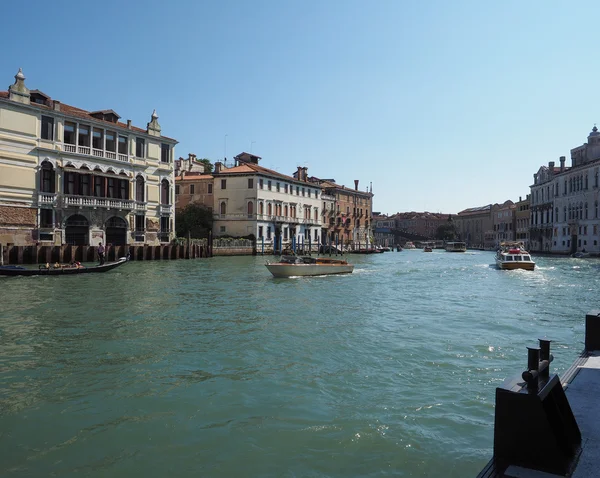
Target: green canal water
{"points": [[213, 368]]}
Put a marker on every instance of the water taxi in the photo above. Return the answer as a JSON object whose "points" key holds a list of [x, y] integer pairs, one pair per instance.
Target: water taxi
{"points": [[291, 266], [456, 247], [409, 245], [512, 255]]}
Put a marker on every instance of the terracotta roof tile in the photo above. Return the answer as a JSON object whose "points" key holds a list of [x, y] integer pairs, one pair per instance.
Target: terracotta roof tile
{"points": [[193, 177]]}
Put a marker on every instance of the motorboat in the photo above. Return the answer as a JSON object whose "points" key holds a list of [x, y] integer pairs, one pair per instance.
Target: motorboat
{"points": [[59, 269], [580, 255], [456, 247], [409, 245], [512, 255], [291, 266], [427, 249]]}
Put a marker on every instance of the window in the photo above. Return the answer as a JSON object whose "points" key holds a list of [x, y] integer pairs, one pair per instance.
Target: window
{"points": [[223, 183], [70, 183], [192, 188], [261, 208], [111, 188], [250, 183], [269, 185], [84, 135], [164, 192], [69, 133], [123, 189], [48, 128], [164, 227], [250, 209], [209, 188], [84, 184], [139, 189], [165, 153], [47, 183], [277, 187], [309, 193], [285, 210], [222, 229], [140, 223], [99, 186], [97, 138], [285, 188], [268, 232], [122, 144], [316, 235], [303, 192], [285, 232], [223, 208], [260, 231], [140, 147], [269, 209], [46, 219], [297, 190], [177, 190], [111, 141], [261, 183]]}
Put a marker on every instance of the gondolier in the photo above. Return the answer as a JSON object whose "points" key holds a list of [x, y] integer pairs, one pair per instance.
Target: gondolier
{"points": [[101, 253]]}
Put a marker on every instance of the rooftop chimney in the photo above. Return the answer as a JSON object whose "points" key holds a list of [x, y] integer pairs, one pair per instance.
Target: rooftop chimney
{"points": [[128, 124], [551, 165], [562, 164], [218, 166], [356, 184], [56, 105]]}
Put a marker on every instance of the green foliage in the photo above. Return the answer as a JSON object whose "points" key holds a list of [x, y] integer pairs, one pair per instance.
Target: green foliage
{"points": [[208, 166], [447, 232], [194, 219]]}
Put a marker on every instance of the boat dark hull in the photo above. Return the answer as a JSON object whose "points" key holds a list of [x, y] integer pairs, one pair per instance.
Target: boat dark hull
{"points": [[21, 271]]}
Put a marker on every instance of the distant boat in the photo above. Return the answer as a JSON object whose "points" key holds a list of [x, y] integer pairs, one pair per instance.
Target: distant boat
{"points": [[580, 255], [456, 247], [61, 270], [290, 266], [409, 245]]}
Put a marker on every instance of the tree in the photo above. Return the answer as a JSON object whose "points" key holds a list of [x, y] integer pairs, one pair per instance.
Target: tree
{"points": [[447, 232], [208, 166], [194, 219]]}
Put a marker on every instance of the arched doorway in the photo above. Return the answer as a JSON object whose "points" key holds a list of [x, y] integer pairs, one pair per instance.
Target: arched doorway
{"points": [[116, 231], [77, 230]]}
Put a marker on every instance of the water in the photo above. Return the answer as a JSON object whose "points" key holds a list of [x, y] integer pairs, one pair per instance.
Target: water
{"points": [[213, 368]]}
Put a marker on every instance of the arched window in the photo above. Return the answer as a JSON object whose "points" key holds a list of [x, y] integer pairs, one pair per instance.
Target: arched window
{"points": [[47, 179], [596, 210], [164, 192], [285, 210], [586, 210], [140, 187], [565, 214], [223, 208], [269, 209], [250, 208], [580, 210], [586, 181], [261, 208]]}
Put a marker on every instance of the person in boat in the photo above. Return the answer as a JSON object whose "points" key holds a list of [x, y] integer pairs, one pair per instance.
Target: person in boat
{"points": [[57, 265], [101, 253]]}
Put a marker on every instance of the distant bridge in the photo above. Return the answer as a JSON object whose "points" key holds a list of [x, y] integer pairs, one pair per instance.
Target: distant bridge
{"points": [[400, 235]]}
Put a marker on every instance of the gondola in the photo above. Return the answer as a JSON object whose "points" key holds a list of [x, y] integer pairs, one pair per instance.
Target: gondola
{"points": [[43, 270]]}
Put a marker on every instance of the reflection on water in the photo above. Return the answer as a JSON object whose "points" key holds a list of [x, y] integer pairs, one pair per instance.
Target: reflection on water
{"points": [[215, 368]]}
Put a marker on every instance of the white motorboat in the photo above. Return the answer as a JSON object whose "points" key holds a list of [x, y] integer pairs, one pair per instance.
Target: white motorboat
{"points": [[290, 266], [456, 247], [512, 255]]}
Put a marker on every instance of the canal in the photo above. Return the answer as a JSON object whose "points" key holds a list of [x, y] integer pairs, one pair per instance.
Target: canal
{"points": [[213, 368]]}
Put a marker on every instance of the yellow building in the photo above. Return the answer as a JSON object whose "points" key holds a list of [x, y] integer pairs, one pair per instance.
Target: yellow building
{"points": [[70, 176]]}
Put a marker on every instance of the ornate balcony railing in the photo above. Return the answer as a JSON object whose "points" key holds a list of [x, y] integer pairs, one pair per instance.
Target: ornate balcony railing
{"points": [[140, 206], [166, 208], [97, 153], [47, 199], [87, 201]]}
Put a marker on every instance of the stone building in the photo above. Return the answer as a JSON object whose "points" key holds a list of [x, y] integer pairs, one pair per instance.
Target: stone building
{"points": [[423, 224], [523, 219], [503, 222], [70, 176], [472, 225]]}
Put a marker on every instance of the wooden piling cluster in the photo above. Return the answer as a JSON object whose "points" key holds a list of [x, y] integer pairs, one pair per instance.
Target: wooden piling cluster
{"points": [[10, 254]]}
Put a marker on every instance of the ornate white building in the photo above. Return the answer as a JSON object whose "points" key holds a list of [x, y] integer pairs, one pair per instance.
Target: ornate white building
{"points": [[70, 176]]}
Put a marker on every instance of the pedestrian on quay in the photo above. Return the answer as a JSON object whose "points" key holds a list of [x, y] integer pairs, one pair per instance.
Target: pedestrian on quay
{"points": [[101, 253]]}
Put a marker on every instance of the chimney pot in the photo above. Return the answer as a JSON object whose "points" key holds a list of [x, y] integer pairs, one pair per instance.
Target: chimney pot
{"points": [[128, 124], [56, 105], [356, 184]]}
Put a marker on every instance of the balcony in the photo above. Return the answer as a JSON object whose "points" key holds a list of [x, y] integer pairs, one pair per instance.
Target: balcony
{"points": [[47, 199], [94, 202], [96, 153], [166, 208], [140, 206]]}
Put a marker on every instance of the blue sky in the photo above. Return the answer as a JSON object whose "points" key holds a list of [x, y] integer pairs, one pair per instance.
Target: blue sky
{"points": [[440, 105]]}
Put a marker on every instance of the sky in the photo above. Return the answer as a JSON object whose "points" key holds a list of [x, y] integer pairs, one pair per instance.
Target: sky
{"points": [[440, 105]]}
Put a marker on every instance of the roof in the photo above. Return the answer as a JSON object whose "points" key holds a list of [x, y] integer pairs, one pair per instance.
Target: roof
{"points": [[79, 113], [193, 177], [473, 210], [255, 168]]}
